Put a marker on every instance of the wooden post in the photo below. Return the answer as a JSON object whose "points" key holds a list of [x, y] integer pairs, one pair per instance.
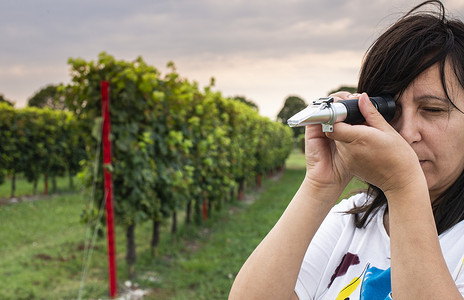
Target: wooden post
{"points": [[205, 209]]}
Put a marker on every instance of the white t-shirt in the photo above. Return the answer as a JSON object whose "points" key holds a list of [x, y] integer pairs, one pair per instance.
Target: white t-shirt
{"points": [[345, 262]]}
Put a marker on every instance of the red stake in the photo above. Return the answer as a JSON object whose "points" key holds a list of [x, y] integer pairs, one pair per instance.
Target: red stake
{"points": [[108, 188]]}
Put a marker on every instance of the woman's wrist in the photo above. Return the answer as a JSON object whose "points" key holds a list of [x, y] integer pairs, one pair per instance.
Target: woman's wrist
{"points": [[412, 187], [320, 191]]}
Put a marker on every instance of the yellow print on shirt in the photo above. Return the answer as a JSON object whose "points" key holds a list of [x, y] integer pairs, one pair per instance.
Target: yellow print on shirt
{"points": [[351, 287]]}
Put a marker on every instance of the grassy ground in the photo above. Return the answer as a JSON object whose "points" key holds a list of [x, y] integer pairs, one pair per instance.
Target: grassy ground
{"points": [[42, 247]]}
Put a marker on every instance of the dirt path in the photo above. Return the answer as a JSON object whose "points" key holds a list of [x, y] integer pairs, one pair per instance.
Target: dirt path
{"points": [[27, 198]]}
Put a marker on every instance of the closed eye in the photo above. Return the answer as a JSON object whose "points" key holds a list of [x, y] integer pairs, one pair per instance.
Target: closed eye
{"points": [[434, 110]]}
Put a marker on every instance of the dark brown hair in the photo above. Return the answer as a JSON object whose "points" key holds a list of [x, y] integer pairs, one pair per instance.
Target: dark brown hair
{"points": [[415, 42]]}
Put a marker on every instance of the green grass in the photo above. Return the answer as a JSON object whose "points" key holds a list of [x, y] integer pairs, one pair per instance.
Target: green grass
{"points": [[208, 273], [39, 249], [42, 247]]}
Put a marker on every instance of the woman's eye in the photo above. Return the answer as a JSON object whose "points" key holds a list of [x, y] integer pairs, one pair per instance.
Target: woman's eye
{"points": [[433, 109]]}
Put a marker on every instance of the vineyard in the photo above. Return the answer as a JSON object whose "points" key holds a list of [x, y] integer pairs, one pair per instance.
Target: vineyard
{"points": [[176, 147], [36, 142]]}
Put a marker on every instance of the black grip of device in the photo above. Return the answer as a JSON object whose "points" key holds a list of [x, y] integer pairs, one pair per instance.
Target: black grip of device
{"points": [[384, 104]]}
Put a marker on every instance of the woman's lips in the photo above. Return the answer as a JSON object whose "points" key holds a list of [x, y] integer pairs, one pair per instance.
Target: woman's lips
{"points": [[422, 162]]}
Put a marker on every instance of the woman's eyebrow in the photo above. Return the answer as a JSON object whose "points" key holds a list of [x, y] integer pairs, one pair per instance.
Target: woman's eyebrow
{"points": [[431, 97]]}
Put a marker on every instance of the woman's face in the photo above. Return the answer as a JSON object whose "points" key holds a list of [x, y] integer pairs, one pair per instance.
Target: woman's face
{"points": [[433, 127]]}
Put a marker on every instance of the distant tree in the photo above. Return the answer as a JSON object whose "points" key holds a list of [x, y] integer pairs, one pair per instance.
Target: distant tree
{"points": [[48, 96], [4, 100], [351, 89], [246, 101], [293, 104]]}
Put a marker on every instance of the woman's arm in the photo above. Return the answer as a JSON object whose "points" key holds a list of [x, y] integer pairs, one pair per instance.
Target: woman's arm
{"points": [[272, 269], [418, 268]]}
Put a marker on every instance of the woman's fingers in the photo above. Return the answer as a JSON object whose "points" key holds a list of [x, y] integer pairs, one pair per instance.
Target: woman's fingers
{"points": [[343, 132], [343, 95], [371, 114]]}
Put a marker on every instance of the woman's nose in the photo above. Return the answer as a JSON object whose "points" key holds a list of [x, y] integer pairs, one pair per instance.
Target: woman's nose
{"points": [[408, 127]]}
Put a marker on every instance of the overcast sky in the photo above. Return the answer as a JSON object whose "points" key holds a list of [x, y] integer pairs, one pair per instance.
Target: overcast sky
{"points": [[264, 50]]}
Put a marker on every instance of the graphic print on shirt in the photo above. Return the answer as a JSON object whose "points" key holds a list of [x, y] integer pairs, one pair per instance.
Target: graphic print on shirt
{"points": [[351, 287], [349, 259], [375, 282]]}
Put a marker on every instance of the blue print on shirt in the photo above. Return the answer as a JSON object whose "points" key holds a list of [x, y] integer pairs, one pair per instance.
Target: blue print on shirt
{"points": [[376, 284]]}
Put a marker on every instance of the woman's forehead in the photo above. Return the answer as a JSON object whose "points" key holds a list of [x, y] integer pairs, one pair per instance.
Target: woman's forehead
{"points": [[453, 85], [430, 81]]}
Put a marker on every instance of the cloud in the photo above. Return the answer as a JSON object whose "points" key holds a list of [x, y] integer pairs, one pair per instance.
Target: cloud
{"points": [[262, 49], [269, 81]]}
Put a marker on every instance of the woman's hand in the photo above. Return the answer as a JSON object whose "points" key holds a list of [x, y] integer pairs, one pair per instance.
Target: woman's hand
{"points": [[324, 166], [376, 153]]}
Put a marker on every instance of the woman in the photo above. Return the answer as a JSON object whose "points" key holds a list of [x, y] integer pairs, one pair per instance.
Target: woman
{"points": [[404, 237]]}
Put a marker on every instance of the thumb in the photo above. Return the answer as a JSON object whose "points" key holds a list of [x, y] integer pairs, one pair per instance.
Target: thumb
{"points": [[370, 113]]}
